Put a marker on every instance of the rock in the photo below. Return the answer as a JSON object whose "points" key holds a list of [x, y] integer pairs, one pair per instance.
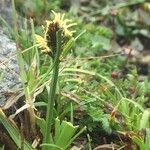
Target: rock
{"points": [[9, 70], [6, 11]]}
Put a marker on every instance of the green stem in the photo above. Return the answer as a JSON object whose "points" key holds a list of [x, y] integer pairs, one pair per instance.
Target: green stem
{"points": [[52, 93]]}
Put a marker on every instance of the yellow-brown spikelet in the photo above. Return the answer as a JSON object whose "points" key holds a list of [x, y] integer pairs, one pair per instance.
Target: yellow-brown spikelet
{"points": [[48, 43]]}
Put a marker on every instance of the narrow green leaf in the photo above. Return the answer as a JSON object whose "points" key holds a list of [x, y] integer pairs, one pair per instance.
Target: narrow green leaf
{"points": [[67, 48], [145, 119], [139, 142], [13, 131], [147, 139]]}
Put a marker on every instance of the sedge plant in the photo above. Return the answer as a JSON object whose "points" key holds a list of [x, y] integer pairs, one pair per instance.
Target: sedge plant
{"points": [[56, 43]]}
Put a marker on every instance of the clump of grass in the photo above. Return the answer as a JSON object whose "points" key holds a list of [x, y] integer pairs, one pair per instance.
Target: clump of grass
{"points": [[55, 44]]}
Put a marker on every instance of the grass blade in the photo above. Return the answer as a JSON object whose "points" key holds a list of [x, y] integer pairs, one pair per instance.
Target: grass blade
{"points": [[13, 132]]}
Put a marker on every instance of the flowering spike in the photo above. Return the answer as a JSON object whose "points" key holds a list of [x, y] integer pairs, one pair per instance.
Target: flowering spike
{"points": [[43, 45], [48, 43]]}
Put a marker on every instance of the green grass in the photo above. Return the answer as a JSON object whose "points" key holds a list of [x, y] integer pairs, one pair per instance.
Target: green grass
{"points": [[72, 95]]}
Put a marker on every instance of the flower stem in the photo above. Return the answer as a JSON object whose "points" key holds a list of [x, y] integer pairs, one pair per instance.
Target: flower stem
{"points": [[52, 93]]}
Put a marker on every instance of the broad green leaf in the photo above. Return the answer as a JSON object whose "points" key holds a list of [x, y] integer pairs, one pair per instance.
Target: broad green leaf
{"points": [[57, 129], [52, 146], [42, 124], [67, 131]]}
